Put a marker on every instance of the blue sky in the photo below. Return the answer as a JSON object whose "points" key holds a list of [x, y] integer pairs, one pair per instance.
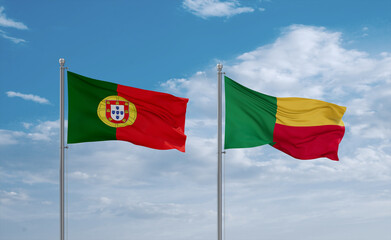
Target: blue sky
{"points": [[337, 51]]}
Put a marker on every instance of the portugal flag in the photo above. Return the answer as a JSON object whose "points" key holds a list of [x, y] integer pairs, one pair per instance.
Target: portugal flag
{"points": [[100, 111], [303, 128]]}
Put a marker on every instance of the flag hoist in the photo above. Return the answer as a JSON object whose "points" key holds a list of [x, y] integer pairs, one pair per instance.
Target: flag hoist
{"points": [[62, 147], [219, 154]]}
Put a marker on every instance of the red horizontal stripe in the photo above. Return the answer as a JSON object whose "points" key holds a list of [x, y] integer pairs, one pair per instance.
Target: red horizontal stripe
{"points": [[309, 142]]}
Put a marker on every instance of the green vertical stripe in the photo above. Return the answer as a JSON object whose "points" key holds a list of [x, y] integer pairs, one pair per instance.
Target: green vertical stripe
{"points": [[84, 96], [250, 116]]}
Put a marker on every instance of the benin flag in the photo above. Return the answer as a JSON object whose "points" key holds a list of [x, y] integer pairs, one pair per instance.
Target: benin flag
{"points": [[303, 128], [100, 111]]}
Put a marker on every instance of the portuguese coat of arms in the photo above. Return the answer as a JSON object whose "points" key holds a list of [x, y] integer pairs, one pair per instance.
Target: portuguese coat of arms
{"points": [[116, 111]]}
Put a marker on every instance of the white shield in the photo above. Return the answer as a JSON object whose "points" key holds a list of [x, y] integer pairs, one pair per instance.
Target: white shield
{"points": [[117, 112]]}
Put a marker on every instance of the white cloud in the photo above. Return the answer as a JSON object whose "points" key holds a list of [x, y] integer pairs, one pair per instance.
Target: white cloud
{"points": [[201, 123], [10, 197], [7, 22], [46, 203], [29, 97], [79, 175], [43, 131], [27, 125], [13, 39], [215, 8], [305, 57], [106, 200], [38, 178], [174, 85], [8, 137], [365, 32], [29, 176]]}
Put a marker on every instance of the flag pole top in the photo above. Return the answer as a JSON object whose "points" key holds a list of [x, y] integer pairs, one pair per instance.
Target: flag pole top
{"points": [[219, 67], [61, 61]]}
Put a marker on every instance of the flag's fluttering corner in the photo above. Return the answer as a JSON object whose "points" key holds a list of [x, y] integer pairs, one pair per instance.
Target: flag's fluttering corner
{"points": [[303, 128], [99, 111]]}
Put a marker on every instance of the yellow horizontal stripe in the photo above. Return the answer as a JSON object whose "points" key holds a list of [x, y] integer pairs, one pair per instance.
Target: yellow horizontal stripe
{"points": [[308, 112]]}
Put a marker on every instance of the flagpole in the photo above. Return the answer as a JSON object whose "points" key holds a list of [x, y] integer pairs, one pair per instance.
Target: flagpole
{"points": [[62, 68], [219, 154]]}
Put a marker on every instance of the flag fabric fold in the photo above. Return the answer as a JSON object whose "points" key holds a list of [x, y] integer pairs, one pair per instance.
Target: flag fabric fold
{"points": [[303, 128], [100, 111]]}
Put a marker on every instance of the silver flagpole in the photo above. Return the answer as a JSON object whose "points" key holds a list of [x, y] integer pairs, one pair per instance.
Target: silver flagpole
{"points": [[62, 68], [219, 155]]}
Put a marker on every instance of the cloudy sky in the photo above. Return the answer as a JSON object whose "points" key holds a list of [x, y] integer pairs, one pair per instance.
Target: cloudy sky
{"points": [[337, 51]]}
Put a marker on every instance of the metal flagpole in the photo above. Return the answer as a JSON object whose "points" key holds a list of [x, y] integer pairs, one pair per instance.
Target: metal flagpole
{"points": [[62, 68], [219, 154]]}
